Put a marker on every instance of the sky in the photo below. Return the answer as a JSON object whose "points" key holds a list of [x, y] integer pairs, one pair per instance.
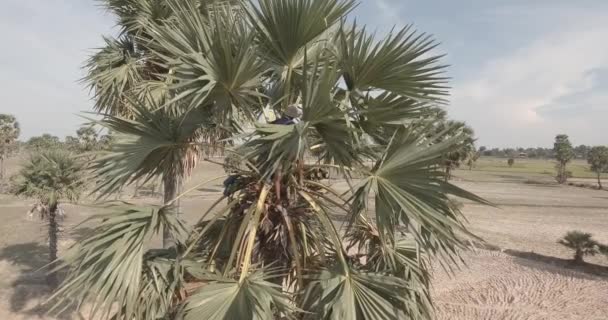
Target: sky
{"points": [[521, 71]]}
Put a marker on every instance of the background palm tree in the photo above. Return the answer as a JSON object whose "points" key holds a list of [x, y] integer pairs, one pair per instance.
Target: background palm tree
{"points": [[9, 132], [564, 153], [269, 248], [597, 158], [51, 177], [132, 68]]}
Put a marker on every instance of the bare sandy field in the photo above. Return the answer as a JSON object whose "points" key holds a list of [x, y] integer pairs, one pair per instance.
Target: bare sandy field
{"points": [[530, 279]]}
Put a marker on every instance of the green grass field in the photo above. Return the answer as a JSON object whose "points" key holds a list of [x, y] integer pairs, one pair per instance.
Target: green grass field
{"points": [[579, 168]]}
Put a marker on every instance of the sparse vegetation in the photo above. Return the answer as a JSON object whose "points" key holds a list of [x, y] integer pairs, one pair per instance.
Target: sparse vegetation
{"points": [[43, 142], [582, 244]]}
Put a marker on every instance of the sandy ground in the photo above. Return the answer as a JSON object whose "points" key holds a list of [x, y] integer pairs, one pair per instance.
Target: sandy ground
{"points": [[530, 280], [500, 286]]}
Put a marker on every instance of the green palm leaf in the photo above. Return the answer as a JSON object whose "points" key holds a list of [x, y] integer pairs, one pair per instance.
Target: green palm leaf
{"points": [[409, 190], [285, 28], [396, 64], [255, 297], [218, 65], [340, 295], [113, 72], [153, 143], [107, 267]]}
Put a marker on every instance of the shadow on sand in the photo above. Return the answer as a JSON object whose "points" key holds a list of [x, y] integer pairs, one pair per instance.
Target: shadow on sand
{"points": [[524, 258], [31, 286]]}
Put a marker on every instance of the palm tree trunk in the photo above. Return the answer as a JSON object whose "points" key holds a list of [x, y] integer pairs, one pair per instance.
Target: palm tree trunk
{"points": [[171, 185], [578, 257], [562, 173], [51, 277]]}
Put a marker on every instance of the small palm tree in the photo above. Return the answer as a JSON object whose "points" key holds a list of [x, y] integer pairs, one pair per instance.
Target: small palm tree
{"points": [[462, 151], [581, 243], [50, 177]]}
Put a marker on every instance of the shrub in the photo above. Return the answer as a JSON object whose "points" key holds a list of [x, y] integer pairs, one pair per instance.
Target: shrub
{"points": [[510, 162], [582, 244]]}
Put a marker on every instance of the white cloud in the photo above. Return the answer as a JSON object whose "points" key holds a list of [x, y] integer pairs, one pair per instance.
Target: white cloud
{"points": [[501, 98]]}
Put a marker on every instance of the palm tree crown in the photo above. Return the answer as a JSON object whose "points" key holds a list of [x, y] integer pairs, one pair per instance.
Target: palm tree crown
{"points": [[51, 176], [187, 73]]}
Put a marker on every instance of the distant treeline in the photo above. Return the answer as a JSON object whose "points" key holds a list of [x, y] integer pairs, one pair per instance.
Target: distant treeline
{"points": [[541, 153], [87, 139]]}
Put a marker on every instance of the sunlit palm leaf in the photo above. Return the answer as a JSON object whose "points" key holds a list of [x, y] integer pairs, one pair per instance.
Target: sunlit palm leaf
{"points": [[409, 189], [253, 298], [399, 63], [106, 268], [153, 143], [336, 136], [399, 256], [113, 72], [218, 63], [286, 27], [134, 15], [337, 295]]}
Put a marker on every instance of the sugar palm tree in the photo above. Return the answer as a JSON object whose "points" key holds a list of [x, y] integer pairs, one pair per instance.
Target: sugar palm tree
{"points": [[269, 247], [133, 67], [51, 177], [463, 151]]}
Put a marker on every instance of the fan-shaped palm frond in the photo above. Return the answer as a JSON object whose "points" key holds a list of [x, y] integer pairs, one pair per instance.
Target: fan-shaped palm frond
{"points": [[217, 64], [110, 265], [397, 64], [153, 143], [286, 28], [348, 294], [114, 71], [408, 188], [252, 297]]}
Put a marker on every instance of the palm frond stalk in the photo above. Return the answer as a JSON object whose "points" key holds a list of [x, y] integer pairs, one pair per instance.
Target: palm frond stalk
{"points": [[270, 247]]}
